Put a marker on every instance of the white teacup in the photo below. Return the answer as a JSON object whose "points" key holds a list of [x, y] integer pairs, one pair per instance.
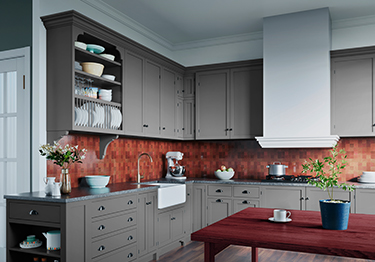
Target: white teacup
{"points": [[281, 215]]}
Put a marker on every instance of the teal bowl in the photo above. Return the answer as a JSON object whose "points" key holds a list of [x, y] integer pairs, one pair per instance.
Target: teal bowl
{"points": [[97, 49], [97, 181]]}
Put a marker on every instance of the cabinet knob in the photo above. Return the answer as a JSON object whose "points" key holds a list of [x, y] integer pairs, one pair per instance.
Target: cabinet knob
{"points": [[219, 200], [33, 212], [145, 125], [230, 129], [130, 219], [102, 227], [307, 198], [130, 238], [130, 202], [101, 208], [163, 128], [130, 255], [245, 192], [219, 191], [301, 198], [101, 248]]}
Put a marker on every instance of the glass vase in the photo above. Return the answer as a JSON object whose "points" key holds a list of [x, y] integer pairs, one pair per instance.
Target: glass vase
{"points": [[66, 186]]}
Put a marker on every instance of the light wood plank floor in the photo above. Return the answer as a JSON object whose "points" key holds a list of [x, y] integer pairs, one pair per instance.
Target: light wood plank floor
{"points": [[193, 252]]}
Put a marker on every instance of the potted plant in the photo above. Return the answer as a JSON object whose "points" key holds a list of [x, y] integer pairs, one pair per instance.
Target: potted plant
{"points": [[334, 212]]}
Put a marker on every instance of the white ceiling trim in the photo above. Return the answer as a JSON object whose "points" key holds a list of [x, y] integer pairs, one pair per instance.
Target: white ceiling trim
{"points": [[352, 22]]}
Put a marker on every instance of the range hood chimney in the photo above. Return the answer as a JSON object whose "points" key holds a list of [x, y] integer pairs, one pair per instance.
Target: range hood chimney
{"points": [[297, 80]]}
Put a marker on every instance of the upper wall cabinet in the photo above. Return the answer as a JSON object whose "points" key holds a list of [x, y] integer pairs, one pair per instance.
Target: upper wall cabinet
{"points": [[353, 95], [229, 103]]}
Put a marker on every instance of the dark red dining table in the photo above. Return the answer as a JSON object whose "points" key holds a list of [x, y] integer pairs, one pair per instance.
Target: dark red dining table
{"points": [[304, 233]]}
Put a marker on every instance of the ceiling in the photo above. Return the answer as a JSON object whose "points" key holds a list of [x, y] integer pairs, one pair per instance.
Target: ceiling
{"points": [[185, 21]]}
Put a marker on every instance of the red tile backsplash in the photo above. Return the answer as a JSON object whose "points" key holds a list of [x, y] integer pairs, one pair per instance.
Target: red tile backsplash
{"points": [[201, 159]]}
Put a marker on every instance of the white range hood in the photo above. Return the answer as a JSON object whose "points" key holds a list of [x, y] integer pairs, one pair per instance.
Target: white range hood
{"points": [[297, 80]]}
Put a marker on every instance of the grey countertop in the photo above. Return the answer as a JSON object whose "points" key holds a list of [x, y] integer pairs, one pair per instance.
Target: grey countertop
{"points": [[84, 193]]}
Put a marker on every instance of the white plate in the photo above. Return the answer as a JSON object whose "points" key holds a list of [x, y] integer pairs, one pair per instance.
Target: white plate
{"points": [[272, 219], [80, 116], [75, 116]]}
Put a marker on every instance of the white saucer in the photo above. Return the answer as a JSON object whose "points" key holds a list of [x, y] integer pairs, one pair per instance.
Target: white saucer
{"points": [[273, 220]]}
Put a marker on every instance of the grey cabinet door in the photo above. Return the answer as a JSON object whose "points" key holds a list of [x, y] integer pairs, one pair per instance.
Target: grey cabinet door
{"points": [[199, 207], [164, 228], [179, 117], [365, 201], [246, 102], [212, 104], [189, 118], [177, 223], [151, 99], [217, 209], [167, 103], [133, 94], [283, 197], [314, 194], [188, 209], [352, 96]]}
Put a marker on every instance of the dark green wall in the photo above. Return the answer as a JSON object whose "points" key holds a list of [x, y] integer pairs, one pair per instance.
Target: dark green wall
{"points": [[15, 24]]}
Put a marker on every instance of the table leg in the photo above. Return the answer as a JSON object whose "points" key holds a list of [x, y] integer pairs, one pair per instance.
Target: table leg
{"points": [[254, 254], [209, 252]]}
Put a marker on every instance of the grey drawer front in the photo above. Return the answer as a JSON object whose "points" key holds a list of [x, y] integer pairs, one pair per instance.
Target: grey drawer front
{"points": [[35, 212], [219, 190], [113, 224], [241, 204], [105, 245], [246, 191], [124, 254], [112, 205]]}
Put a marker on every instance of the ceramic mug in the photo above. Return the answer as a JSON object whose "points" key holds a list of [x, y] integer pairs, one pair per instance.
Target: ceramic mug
{"points": [[281, 215]]}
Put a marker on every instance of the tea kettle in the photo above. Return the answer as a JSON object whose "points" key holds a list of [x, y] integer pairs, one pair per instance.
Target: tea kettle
{"points": [[53, 239]]}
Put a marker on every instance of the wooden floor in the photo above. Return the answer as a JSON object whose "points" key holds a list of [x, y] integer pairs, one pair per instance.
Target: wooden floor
{"points": [[193, 252]]}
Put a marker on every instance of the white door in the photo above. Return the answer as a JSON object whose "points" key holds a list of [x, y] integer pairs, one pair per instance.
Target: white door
{"points": [[14, 130]]}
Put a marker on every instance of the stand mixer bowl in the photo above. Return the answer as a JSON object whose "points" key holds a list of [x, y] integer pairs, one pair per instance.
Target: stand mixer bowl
{"points": [[176, 170]]}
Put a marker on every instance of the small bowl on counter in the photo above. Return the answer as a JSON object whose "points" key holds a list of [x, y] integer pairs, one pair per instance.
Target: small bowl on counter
{"points": [[93, 68], [224, 175], [97, 181]]}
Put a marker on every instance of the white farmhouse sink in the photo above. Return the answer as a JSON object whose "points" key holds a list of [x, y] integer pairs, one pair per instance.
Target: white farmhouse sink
{"points": [[170, 194]]}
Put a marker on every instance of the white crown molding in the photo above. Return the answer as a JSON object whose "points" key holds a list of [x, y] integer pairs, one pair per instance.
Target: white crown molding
{"points": [[352, 22], [298, 142]]}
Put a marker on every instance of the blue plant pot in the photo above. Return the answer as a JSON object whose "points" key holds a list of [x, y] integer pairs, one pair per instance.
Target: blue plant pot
{"points": [[335, 216]]}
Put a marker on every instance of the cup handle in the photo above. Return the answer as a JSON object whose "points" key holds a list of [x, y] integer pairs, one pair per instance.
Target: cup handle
{"points": [[288, 214]]}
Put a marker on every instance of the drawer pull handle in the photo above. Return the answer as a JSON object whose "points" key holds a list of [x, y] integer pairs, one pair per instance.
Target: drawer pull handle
{"points": [[101, 208], [148, 203], [245, 192], [33, 212], [245, 202], [130, 238], [307, 198], [173, 218], [130, 219], [101, 248], [130, 255], [130, 202], [219, 200], [219, 191], [101, 227]]}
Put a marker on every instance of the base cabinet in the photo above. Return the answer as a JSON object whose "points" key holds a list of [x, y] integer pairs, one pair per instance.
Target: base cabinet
{"points": [[217, 209], [199, 207], [364, 201], [286, 197]]}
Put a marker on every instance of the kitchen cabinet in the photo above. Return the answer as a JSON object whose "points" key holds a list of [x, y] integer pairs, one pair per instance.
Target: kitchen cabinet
{"points": [[229, 103], [188, 210], [147, 218], [199, 207], [364, 201], [188, 118], [168, 103], [353, 95], [170, 226], [285, 197], [244, 197], [218, 208], [314, 194]]}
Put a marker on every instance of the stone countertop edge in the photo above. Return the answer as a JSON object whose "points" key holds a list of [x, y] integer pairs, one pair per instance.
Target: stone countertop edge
{"points": [[85, 193]]}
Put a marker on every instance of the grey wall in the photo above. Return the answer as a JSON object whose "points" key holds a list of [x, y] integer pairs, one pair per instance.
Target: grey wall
{"points": [[15, 24]]}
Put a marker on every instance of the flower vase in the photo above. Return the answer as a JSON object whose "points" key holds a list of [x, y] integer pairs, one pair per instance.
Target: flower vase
{"points": [[66, 186]]}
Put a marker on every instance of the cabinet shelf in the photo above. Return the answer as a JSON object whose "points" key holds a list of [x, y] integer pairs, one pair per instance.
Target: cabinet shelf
{"points": [[99, 81], [40, 251], [96, 100], [86, 56]]}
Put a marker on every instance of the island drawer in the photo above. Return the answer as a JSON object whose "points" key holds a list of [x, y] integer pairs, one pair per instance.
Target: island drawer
{"points": [[34, 212], [113, 223], [241, 204], [246, 191], [126, 254], [112, 205], [113, 242], [219, 190]]}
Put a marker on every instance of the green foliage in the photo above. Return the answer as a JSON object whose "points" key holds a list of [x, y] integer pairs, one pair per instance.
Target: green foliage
{"points": [[328, 180]]}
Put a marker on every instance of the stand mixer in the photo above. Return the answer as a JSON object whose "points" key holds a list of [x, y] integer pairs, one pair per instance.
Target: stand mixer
{"points": [[174, 170]]}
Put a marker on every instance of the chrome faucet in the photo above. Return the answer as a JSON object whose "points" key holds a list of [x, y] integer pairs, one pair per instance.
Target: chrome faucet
{"points": [[138, 174]]}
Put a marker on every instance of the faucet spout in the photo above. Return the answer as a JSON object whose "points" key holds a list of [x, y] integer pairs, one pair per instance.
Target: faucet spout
{"points": [[138, 174]]}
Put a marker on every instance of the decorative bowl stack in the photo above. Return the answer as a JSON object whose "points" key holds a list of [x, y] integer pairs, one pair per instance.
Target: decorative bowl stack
{"points": [[105, 94]]}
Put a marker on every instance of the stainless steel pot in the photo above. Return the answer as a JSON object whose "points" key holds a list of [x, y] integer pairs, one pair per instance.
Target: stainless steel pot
{"points": [[276, 169]]}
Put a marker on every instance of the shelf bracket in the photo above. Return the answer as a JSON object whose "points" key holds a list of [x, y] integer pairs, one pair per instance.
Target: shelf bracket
{"points": [[53, 136], [105, 140]]}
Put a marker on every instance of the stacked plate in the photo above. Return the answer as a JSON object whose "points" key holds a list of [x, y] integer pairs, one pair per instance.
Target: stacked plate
{"points": [[97, 115], [105, 94], [115, 118], [81, 116], [367, 177]]}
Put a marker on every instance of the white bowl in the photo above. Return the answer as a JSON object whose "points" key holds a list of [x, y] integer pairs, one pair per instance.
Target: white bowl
{"points": [[224, 175], [109, 77], [108, 56], [97, 181], [80, 45], [93, 68]]}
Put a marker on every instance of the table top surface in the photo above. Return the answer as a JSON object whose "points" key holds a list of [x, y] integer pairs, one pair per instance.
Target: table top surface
{"points": [[304, 233]]}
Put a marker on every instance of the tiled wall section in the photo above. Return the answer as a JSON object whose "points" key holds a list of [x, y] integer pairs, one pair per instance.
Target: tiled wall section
{"points": [[201, 159]]}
